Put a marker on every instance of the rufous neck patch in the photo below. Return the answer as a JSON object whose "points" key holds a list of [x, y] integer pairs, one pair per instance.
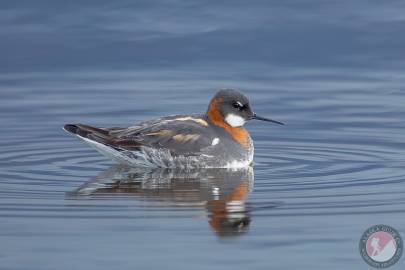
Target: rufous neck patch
{"points": [[239, 134]]}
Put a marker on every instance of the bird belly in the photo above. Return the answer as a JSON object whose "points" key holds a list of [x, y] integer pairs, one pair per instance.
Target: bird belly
{"points": [[225, 157]]}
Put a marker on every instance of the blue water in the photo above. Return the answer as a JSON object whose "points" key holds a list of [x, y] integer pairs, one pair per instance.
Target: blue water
{"points": [[333, 72]]}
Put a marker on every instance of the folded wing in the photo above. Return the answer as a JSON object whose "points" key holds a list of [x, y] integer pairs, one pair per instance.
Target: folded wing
{"points": [[181, 135]]}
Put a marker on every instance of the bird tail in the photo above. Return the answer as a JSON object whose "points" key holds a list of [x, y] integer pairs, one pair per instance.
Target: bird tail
{"points": [[89, 132], [100, 140]]}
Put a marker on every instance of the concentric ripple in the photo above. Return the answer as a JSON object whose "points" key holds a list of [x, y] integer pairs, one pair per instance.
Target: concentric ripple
{"points": [[331, 177], [302, 177]]}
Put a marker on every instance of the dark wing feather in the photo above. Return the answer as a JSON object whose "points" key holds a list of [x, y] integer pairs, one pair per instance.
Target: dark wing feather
{"points": [[182, 135], [179, 136]]}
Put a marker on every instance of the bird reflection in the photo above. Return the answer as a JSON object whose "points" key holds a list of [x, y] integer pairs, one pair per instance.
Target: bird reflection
{"points": [[222, 192]]}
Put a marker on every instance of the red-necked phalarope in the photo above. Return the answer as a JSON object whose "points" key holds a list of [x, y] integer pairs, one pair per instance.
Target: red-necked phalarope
{"points": [[216, 139]]}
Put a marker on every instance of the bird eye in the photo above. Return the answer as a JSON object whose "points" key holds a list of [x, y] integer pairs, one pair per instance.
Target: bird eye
{"points": [[238, 105]]}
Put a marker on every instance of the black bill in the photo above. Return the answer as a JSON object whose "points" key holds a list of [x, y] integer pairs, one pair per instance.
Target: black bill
{"points": [[255, 116]]}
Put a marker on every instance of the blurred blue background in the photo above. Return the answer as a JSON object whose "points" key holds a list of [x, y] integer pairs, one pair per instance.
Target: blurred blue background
{"points": [[55, 35]]}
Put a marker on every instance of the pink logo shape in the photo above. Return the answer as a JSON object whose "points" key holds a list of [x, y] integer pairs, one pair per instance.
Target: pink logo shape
{"points": [[381, 246]]}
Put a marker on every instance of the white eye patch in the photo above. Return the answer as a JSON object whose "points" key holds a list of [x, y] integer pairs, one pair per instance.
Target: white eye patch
{"points": [[239, 103], [234, 120]]}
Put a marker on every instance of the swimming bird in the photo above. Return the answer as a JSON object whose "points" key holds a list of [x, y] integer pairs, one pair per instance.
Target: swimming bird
{"points": [[216, 139]]}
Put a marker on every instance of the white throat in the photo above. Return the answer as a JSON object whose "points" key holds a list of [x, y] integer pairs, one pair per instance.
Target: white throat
{"points": [[234, 120]]}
